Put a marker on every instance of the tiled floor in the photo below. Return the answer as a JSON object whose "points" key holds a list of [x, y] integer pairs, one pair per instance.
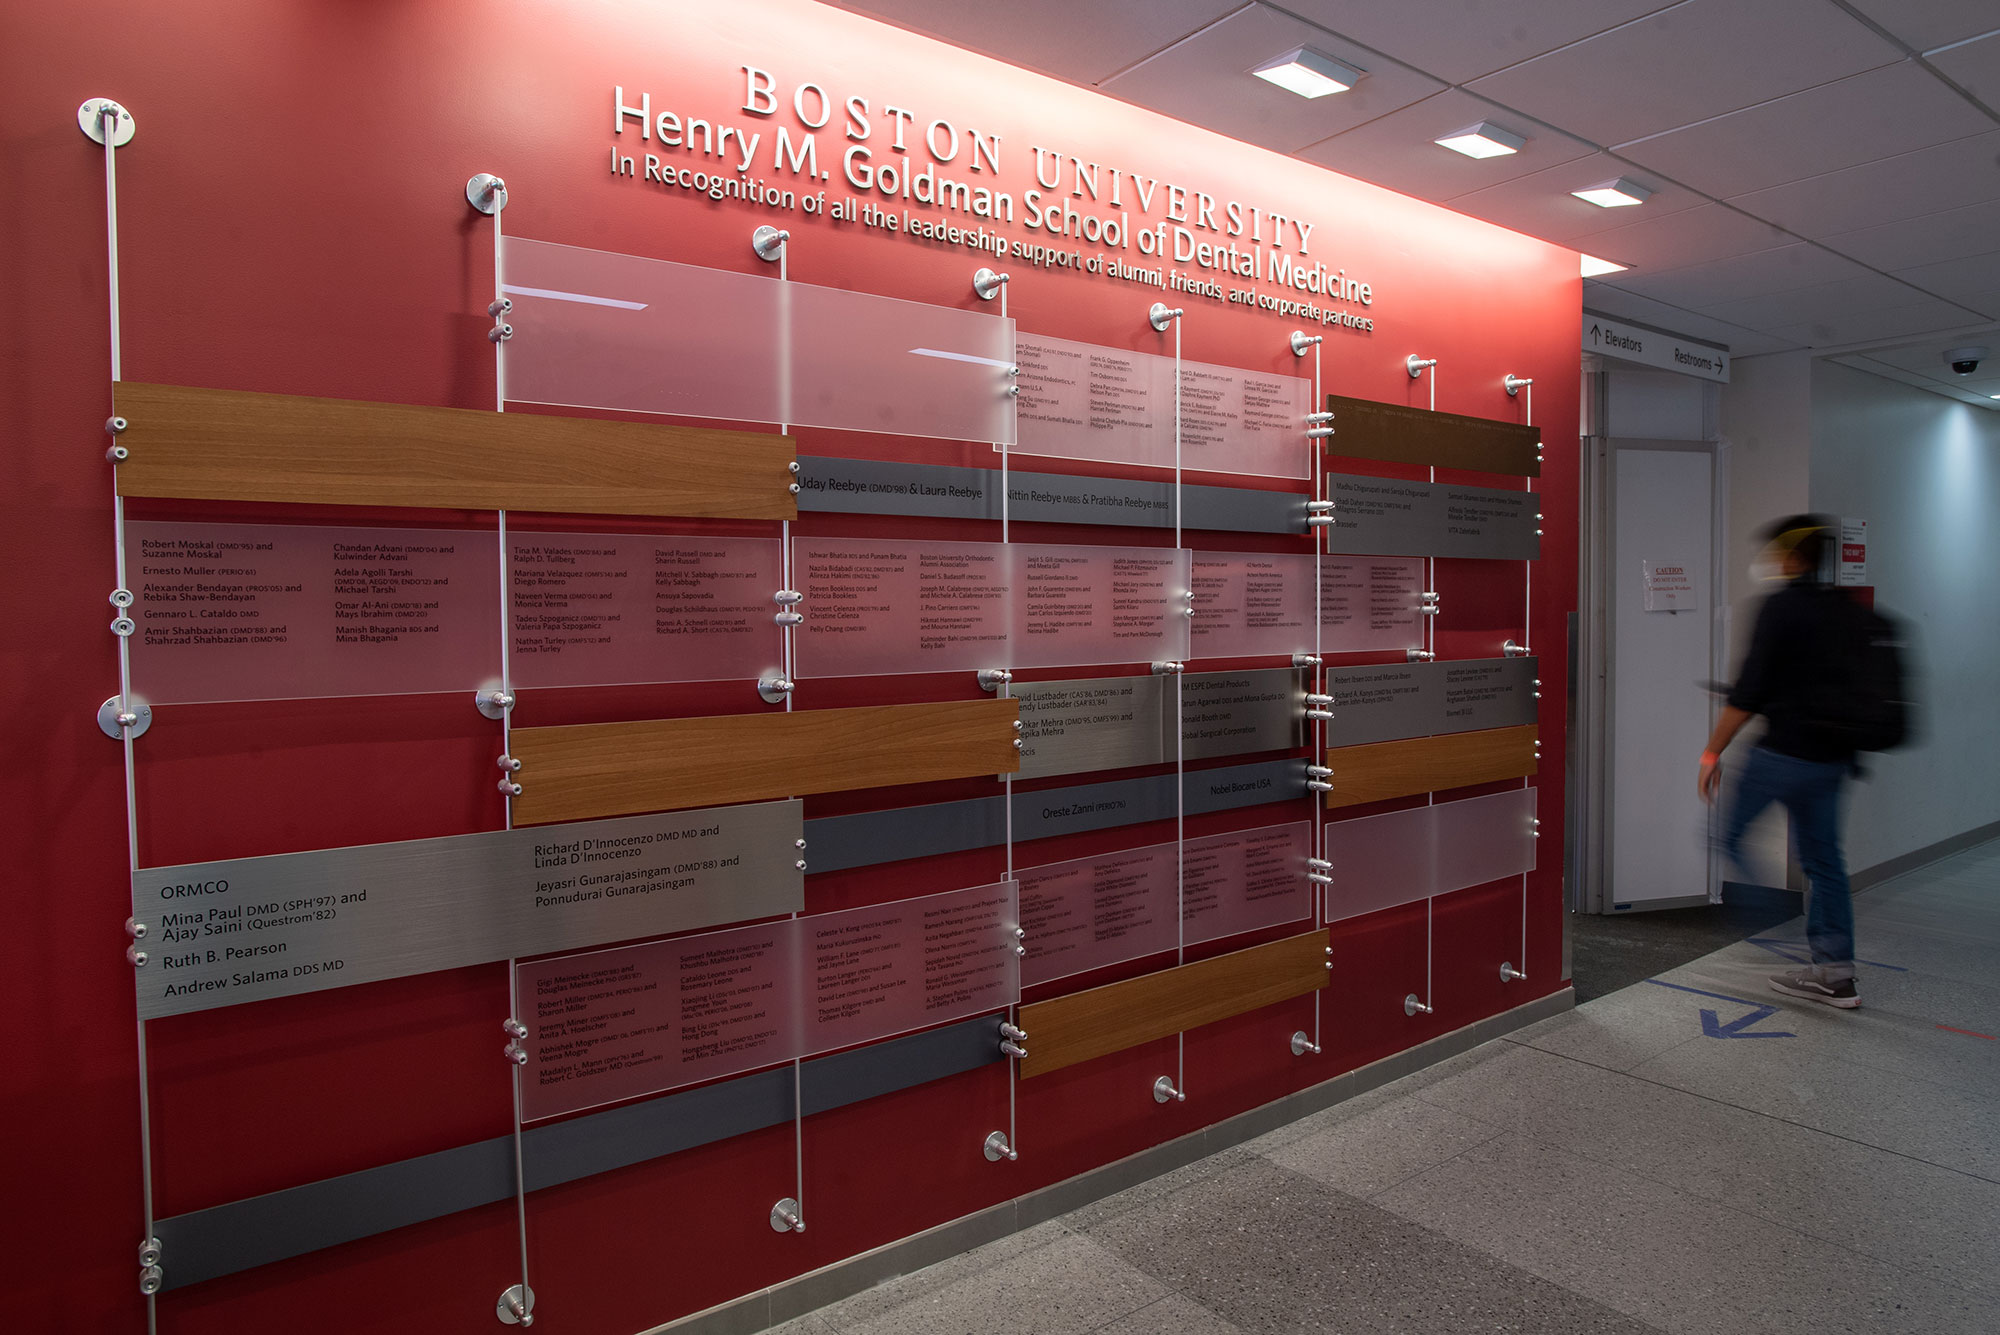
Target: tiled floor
{"points": [[1615, 1169]]}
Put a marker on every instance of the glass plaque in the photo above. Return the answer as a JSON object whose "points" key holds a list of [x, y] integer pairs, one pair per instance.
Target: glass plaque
{"points": [[1370, 603], [1246, 880], [1403, 856], [294, 611], [875, 608], [1087, 605], [1089, 912], [1115, 405], [1252, 603], [596, 329], [595, 609], [1068, 727]]}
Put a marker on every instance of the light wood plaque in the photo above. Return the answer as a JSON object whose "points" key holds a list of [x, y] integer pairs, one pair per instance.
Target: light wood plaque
{"points": [[1381, 770]]}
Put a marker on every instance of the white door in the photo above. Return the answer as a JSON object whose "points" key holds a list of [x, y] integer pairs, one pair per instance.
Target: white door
{"points": [[1661, 589]]}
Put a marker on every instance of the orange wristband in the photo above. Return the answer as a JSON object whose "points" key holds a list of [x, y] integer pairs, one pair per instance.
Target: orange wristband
{"points": [[1710, 758]]}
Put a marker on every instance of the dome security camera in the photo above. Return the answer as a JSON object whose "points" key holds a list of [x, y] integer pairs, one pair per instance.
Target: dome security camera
{"points": [[1966, 360]]}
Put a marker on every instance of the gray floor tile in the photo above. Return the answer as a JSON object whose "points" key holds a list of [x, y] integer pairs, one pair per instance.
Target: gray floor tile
{"points": [[1270, 1251], [1665, 1257], [1149, 1191], [1617, 1031], [1379, 1147], [944, 1274], [1068, 1286], [1171, 1315], [809, 1324]]}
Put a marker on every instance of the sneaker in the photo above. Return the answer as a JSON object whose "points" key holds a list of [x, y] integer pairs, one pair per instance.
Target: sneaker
{"points": [[1812, 984]]}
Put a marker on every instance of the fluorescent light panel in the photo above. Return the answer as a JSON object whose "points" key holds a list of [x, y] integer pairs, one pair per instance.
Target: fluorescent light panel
{"points": [[1309, 73], [1622, 193], [1596, 268], [1484, 140]]}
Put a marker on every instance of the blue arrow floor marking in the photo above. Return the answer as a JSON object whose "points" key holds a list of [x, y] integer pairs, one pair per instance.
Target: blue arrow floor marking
{"points": [[1711, 1023], [1780, 947]]}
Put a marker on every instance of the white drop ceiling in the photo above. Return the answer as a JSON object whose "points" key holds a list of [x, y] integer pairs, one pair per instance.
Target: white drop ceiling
{"points": [[1826, 172]]}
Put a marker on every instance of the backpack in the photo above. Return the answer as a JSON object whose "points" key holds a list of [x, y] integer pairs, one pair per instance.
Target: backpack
{"points": [[1869, 706]]}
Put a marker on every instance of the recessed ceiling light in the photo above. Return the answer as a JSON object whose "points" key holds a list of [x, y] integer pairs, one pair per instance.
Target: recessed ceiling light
{"points": [[1619, 194], [1484, 140], [1309, 73], [1596, 268]]}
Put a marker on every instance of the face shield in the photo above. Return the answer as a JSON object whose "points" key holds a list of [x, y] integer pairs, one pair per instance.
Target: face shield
{"points": [[1769, 564]]}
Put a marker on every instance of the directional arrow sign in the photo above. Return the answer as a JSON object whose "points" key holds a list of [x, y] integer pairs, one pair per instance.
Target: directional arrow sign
{"points": [[1712, 1025]]}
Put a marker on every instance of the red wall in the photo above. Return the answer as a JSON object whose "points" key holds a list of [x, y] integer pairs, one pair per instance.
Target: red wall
{"points": [[292, 220]]}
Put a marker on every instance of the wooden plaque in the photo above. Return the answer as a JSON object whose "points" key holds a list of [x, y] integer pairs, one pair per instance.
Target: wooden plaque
{"points": [[1123, 1015], [230, 445], [1365, 429], [610, 769], [1382, 770]]}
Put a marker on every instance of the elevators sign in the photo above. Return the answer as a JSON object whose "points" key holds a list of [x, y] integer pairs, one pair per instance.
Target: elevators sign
{"points": [[1377, 516], [1385, 703], [247, 929], [1098, 723]]}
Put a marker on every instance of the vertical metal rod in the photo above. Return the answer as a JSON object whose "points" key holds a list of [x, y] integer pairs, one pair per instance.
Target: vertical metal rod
{"points": [[1007, 785], [1180, 741], [1527, 638], [1430, 645], [108, 123], [1316, 843], [788, 659]]}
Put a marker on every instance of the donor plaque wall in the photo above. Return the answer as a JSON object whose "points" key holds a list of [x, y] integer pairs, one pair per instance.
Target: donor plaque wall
{"points": [[836, 667]]}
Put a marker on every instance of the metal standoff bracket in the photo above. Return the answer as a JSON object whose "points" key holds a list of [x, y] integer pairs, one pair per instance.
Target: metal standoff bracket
{"points": [[1008, 1047], [792, 487], [1319, 708], [1168, 668], [1319, 514], [494, 702], [1416, 365], [1161, 315], [487, 193], [992, 679], [1020, 935], [1535, 824], [1306, 660], [788, 601], [1302, 1044], [95, 111], [129, 717], [1301, 341], [1516, 383], [1538, 695], [1316, 782], [986, 284], [769, 242], [1513, 650], [1510, 974], [1318, 432], [1329, 959], [1412, 1006], [1428, 604], [152, 1278], [1419, 656], [786, 1218], [998, 1147], [517, 1034], [516, 1307], [773, 690], [1164, 1091]]}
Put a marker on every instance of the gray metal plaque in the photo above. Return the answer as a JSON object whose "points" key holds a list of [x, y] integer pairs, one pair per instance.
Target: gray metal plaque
{"points": [[1380, 704], [221, 933], [1236, 713], [1068, 727], [866, 486], [1374, 516]]}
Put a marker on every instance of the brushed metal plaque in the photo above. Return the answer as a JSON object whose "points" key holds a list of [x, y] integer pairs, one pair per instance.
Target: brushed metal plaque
{"points": [[247, 929], [1070, 727], [1236, 713], [1387, 703], [1375, 516]]}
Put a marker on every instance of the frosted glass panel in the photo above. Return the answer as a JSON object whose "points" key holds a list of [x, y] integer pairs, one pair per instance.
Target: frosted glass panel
{"points": [[1403, 856], [1080, 605], [1249, 603], [597, 329], [885, 607], [291, 611], [616, 1024], [878, 971], [592, 609], [1245, 880], [1115, 405], [1090, 912], [1370, 603]]}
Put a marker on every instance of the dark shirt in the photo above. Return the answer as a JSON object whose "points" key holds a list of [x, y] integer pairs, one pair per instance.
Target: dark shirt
{"points": [[1796, 659]]}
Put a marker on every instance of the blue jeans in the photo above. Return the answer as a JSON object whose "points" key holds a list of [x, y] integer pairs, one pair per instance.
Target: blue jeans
{"points": [[1810, 791]]}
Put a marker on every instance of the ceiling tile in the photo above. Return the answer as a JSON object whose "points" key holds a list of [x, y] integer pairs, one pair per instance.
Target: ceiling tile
{"points": [[1206, 80], [1798, 265], [1821, 301], [1687, 63], [1540, 204], [1397, 151], [1668, 241], [1930, 239], [1877, 114], [1459, 40], [1930, 180], [1927, 359], [1866, 326], [1928, 23], [1975, 67], [1080, 42], [1740, 341], [1973, 281]]}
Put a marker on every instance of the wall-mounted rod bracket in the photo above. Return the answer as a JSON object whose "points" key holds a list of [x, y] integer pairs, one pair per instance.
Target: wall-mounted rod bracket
{"points": [[487, 193], [516, 1307], [1164, 1091], [1416, 365], [986, 284], [1412, 1006], [1302, 342], [769, 242], [1161, 315]]}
